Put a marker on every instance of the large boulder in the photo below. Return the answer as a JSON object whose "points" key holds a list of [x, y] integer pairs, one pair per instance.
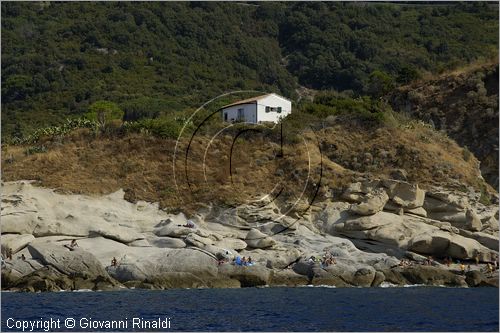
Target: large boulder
{"points": [[472, 221], [441, 243], [405, 194], [490, 241], [16, 242], [466, 248], [433, 243], [371, 204], [72, 263], [258, 240]]}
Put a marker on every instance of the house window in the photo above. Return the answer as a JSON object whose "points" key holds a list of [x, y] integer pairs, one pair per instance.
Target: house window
{"points": [[273, 109], [225, 116]]}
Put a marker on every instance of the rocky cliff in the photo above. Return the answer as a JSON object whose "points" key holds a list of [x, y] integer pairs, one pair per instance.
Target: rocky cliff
{"points": [[464, 104], [367, 231]]}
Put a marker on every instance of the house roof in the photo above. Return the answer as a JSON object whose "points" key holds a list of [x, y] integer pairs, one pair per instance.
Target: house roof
{"points": [[250, 100]]}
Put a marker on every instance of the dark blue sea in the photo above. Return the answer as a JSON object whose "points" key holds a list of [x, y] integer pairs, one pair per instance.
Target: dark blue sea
{"points": [[256, 309]]}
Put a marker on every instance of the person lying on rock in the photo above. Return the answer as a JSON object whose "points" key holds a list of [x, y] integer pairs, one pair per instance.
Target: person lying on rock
{"points": [[114, 262], [72, 245]]}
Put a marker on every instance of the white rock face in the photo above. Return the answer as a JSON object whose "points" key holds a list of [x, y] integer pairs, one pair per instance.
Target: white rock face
{"points": [[149, 243], [16, 242], [42, 212], [405, 194], [231, 243], [258, 240], [77, 262]]}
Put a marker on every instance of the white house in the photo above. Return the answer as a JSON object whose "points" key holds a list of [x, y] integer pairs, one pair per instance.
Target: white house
{"points": [[269, 107]]}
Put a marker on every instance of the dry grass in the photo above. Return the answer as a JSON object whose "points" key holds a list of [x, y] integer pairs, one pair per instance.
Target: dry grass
{"points": [[142, 165]]}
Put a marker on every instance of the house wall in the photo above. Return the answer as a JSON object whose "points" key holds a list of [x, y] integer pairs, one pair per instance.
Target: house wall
{"points": [[256, 112], [249, 113], [273, 101]]}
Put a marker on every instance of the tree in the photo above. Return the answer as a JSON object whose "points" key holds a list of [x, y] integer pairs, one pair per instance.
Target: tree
{"points": [[103, 112], [408, 74], [380, 83]]}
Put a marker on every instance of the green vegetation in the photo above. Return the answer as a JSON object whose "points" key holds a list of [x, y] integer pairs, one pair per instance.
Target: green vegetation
{"points": [[153, 60], [56, 131], [331, 103], [103, 112]]}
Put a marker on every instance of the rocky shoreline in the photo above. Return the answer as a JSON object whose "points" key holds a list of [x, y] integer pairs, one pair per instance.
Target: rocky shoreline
{"points": [[369, 228]]}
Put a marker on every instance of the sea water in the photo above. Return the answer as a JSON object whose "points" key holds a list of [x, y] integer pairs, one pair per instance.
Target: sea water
{"points": [[255, 309]]}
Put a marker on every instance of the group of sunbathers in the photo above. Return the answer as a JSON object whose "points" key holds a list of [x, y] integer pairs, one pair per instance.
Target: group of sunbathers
{"points": [[238, 261], [405, 263], [328, 260]]}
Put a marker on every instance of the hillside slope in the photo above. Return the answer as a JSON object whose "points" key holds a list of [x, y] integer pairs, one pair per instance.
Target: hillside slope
{"points": [[464, 104], [332, 154]]}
